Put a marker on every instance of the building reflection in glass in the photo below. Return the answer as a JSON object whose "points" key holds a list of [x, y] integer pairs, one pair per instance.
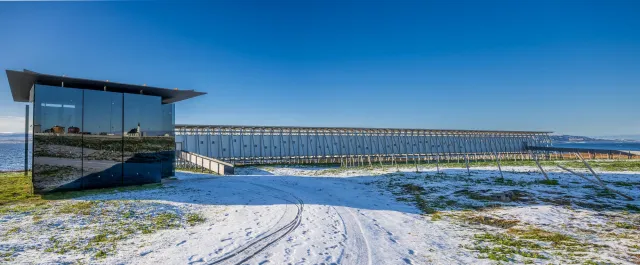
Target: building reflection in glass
{"points": [[57, 139], [93, 139], [102, 139], [143, 139]]}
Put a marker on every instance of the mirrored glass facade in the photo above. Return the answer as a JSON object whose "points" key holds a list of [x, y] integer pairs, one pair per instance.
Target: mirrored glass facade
{"points": [[94, 139], [57, 138], [102, 139]]}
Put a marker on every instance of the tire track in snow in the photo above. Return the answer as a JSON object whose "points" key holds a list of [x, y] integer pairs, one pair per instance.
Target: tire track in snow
{"points": [[356, 239], [357, 250], [250, 250]]}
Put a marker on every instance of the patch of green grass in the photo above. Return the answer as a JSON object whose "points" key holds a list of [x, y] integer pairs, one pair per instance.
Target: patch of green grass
{"points": [[81, 208], [194, 219], [76, 194], [450, 202], [619, 235], [506, 254], [423, 205], [165, 221], [492, 221], [101, 254], [624, 184], [612, 165], [412, 188], [548, 182], [512, 195], [506, 247], [12, 231], [595, 262], [99, 238], [632, 207], [625, 225], [6, 255], [31, 207], [61, 247], [146, 229], [508, 182], [16, 187], [592, 205], [543, 235], [604, 193], [127, 214], [506, 240]]}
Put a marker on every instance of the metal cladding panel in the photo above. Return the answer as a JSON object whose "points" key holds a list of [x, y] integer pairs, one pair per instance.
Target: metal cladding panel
{"points": [[273, 144]]}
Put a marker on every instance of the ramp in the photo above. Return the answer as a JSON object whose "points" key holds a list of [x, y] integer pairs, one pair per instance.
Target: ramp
{"points": [[208, 163]]}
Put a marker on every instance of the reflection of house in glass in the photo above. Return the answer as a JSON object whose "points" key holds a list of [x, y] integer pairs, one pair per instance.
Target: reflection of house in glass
{"points": [[94, 134], [135, 132]]}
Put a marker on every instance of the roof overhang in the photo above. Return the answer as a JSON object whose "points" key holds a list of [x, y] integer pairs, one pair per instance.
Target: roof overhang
{"points": [[22, 82]]}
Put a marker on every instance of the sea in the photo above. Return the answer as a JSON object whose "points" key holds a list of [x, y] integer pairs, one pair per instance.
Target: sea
{"points": [[622, 146], [12, 149]]}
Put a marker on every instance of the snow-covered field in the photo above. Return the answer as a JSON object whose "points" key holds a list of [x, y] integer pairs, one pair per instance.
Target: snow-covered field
{"points": [[321, 215]]}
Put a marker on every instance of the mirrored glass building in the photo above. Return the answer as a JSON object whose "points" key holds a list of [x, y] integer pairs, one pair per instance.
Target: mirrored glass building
{"points": [[95, 134]]}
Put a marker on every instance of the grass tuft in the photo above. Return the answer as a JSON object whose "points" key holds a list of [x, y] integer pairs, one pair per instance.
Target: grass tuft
{"points": [[101, 254], [412, 188], [632, 207], [552, 182], [194, 219], [437, 216], [543, 235], [80, 208], [507, 240], [492, 221], [505, 247], [423, 205], [625, 225]]}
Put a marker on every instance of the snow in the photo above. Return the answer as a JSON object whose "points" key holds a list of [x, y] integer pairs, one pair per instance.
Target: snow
{"points": [[322, 215]]}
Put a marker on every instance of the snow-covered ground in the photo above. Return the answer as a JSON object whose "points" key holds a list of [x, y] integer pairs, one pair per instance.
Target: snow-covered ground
{"points": [[320, 215]]}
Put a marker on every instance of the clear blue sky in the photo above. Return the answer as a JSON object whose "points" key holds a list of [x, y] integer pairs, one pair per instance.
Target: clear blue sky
{"points": [[565, 66]]}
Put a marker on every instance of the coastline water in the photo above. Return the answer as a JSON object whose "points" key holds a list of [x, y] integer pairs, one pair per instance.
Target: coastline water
{"points": [[621, 146], [12, 152]]}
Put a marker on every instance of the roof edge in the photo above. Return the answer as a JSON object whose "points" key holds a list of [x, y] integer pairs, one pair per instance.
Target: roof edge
{"points": [[357, 128], [20, 83]]}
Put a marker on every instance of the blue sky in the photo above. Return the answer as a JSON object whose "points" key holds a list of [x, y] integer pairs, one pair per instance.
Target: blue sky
{"points": [[565, 66]]}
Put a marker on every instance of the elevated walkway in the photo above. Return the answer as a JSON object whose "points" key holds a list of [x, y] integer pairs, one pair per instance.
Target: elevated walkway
{"points": [[208, 163]]}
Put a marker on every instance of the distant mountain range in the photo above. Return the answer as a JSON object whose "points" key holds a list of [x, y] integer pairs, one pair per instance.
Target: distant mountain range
{"points": [[574, 138]]}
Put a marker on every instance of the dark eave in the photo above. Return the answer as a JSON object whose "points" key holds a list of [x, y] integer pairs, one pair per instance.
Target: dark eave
{"points": [[21, 83]]}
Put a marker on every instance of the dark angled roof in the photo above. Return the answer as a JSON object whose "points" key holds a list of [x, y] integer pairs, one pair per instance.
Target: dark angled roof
{"points": [[21, 82]]}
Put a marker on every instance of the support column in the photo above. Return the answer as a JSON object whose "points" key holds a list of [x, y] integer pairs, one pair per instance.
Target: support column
{"points": [[26, 140]]}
